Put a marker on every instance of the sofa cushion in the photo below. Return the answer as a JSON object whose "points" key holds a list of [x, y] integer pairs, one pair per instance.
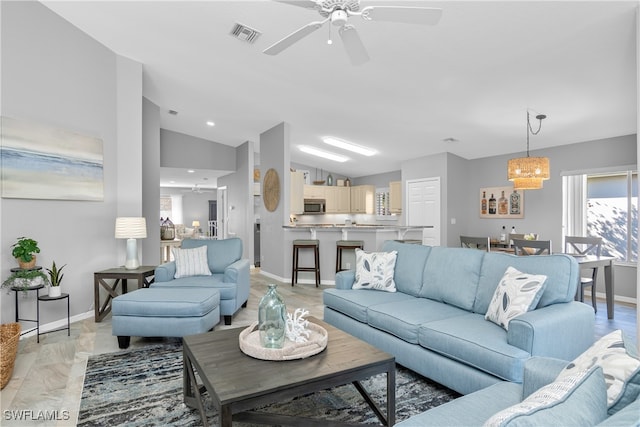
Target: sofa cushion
{"points": [[374, 270], [220, 253], [354, 303], [403, 318], [410, 264], [562, 271], [618, 359], [516, 293], [166, 303], [578, 399], [451, 275], [191, 262], [475, 342], [226, 290]]}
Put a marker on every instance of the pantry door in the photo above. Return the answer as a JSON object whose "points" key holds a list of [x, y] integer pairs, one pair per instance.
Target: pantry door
{"points": [[423, 208]]}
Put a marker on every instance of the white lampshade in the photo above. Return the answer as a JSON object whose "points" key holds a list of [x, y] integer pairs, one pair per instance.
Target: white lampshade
{"points": [[195, 224], [131, 228]]}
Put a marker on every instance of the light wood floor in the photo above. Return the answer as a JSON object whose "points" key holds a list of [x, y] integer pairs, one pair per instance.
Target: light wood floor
{"points": [[49, 376]]}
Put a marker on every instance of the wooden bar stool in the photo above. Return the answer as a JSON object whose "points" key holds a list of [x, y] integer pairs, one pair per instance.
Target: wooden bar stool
{"points": [[346, 245], [305, 244]]}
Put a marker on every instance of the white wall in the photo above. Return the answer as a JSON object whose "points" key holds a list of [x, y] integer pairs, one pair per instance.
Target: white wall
{"points": [[55, 74]]}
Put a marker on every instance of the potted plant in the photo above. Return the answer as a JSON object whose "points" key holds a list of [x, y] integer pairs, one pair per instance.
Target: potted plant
{"points": [[24, 251], [25, 279], [55, 277]]}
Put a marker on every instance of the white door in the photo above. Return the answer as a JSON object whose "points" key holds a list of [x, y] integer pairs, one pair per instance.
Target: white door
{"points": [[423, 208], [222, 206]]}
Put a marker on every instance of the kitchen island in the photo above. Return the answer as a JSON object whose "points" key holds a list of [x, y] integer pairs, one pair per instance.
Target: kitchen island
{"points": [[373, 236]]}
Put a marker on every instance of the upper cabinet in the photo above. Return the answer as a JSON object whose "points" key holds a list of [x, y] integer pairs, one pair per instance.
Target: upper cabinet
{"points": [[395, 197], [338, 199], [314, 191], [296, 203], [363, 199]]}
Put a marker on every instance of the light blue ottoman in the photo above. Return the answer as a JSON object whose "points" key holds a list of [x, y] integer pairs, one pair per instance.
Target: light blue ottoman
{"points": [[164, 312]]}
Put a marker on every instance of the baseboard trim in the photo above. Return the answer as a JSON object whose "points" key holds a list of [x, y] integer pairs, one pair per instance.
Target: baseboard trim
{"points": [[57, 324], [616, 298], [302, 282]]}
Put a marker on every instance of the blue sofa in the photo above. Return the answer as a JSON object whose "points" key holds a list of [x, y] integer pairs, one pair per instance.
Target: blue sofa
{"points": [[434, 324], [584, 406], [230, 274]]}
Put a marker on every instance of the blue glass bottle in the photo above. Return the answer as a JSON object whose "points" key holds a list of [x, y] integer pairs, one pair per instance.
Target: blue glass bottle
{"points": [[272, 314]]}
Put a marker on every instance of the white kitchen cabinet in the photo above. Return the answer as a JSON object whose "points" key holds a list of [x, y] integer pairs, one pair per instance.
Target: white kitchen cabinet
{"points": [[338, 199], [363, 199], [314, 192], [395, 197], [296, 200]]}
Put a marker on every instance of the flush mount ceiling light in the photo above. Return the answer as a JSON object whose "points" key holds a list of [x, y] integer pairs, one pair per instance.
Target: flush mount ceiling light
{"points": [[346, 145], [527, 173], [321, 153], [210, 123]]}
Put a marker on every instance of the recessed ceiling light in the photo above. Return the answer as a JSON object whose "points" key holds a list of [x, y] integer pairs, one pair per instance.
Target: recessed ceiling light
{"points": [[191, 171], [346, 145], [321, 153], [210, 123]]}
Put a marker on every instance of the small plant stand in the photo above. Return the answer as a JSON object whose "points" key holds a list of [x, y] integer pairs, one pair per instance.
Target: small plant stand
{"points": [[62, 296], [36, 288]]}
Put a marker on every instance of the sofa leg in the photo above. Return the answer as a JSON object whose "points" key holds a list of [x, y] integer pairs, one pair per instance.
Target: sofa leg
{"points": [[227, 320], [123, 342], [244, 305]]}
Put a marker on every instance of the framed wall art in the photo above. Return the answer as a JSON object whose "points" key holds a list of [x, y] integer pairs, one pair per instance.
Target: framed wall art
{"points": [[44, 162], [501, 202]]}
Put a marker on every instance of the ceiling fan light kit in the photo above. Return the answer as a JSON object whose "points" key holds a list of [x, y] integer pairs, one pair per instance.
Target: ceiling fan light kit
{"points": [[528, 173], [339, 12], [350, 146]]}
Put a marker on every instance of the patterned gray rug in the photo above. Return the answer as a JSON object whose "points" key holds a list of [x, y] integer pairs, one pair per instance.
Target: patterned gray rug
{"points": [[143, 387]]}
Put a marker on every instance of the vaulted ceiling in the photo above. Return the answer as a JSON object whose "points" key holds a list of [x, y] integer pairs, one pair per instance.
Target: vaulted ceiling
{"points": [[462, 86]]}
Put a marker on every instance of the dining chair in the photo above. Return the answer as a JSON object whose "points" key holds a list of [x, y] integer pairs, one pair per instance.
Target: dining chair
{"points": [[532, 247], [514, 236], [581, 246], [482, 243]]}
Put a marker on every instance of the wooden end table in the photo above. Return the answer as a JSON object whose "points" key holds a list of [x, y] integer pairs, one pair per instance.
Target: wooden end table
{"points": [[119, 275], [237, 383]]}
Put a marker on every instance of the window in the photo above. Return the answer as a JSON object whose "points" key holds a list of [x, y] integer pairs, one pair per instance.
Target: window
{"points": [[605, 205]]}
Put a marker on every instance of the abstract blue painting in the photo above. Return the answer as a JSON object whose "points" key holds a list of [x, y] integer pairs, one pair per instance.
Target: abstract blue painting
{"points": [[42, 162]]}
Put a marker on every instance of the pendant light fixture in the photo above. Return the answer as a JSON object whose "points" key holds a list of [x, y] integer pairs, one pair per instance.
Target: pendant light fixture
{"points": [[527, 173]]}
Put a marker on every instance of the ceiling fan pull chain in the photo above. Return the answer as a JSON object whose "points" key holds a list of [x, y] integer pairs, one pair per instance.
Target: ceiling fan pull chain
{"points": [[330, 41]]}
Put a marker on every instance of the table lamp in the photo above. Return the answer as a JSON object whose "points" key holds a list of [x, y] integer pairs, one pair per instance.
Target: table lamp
{"points": [[196, 227], [131, 228]]}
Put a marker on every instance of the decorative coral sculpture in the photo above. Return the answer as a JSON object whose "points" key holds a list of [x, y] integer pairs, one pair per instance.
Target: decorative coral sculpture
{"points": [[296, 326]]}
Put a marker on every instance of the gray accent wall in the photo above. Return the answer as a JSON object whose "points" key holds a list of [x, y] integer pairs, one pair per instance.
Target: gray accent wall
{"points": [[178, 150], [150, 181]]}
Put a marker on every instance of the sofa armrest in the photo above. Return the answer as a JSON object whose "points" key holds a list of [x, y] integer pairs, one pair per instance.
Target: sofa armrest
{"points": [[562, 331], [345, 279], [540, 371], [165, 272], [238, 273]]}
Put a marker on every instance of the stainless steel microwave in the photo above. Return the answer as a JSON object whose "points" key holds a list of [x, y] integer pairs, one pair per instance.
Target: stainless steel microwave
{"points": [[314, 206]]}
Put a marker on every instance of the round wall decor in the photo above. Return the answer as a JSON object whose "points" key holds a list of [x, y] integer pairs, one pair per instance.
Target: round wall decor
{"points": [[271, 190]]}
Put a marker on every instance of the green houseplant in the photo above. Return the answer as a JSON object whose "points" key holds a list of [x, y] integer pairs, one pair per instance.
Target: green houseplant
{"points": [[55, 277], [24, 251], [24, 279]]}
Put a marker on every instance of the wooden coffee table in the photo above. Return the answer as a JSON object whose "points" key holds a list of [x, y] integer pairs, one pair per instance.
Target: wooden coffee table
{"points": [[238, 383]]}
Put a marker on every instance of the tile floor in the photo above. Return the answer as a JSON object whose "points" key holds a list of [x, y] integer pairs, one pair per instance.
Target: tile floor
{"points": [[49, 376]]}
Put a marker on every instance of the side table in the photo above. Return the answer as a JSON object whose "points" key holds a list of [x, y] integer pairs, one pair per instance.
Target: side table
{"points": [[119, 275], [62, 296]]}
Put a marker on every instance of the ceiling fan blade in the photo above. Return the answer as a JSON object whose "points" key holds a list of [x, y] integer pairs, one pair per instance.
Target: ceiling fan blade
{"points": [[307, 4], [403, 14], [353, 45], [294, 37]]}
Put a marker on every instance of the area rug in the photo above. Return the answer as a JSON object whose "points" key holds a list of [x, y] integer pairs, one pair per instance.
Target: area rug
{"points": [[143, 387]]}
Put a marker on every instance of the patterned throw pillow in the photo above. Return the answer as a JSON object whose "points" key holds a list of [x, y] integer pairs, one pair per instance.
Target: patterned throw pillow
{"points": [[620, 364], [578, 399], [516, 294], [374, 270], [191, 262]]}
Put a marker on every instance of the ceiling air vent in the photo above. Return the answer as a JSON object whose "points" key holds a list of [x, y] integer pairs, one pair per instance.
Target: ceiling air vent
{"points": [[244, 33]]}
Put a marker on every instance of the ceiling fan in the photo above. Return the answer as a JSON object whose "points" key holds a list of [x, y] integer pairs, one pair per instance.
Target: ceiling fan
{"points": [[197, 189], [339, 12]]}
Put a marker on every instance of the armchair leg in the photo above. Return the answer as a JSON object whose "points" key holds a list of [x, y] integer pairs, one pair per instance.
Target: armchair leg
{"points": [[245, 304], [227, 320], [123, 342]]}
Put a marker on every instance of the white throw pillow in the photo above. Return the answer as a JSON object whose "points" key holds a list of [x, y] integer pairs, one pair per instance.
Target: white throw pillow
{"points": [[374, 270], [621, 366], [191, 262], [516, 294]]}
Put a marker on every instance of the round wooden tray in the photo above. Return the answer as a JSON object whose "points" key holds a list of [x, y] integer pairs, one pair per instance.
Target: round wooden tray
{"points": [[250, 344]]}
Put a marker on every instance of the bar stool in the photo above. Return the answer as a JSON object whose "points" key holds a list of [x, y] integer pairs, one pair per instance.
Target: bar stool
{"points": [[346, 245], [305, 244]]}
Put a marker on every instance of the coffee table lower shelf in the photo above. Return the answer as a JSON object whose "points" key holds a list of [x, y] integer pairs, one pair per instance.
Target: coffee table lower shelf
{"points": [[238, 383]]}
